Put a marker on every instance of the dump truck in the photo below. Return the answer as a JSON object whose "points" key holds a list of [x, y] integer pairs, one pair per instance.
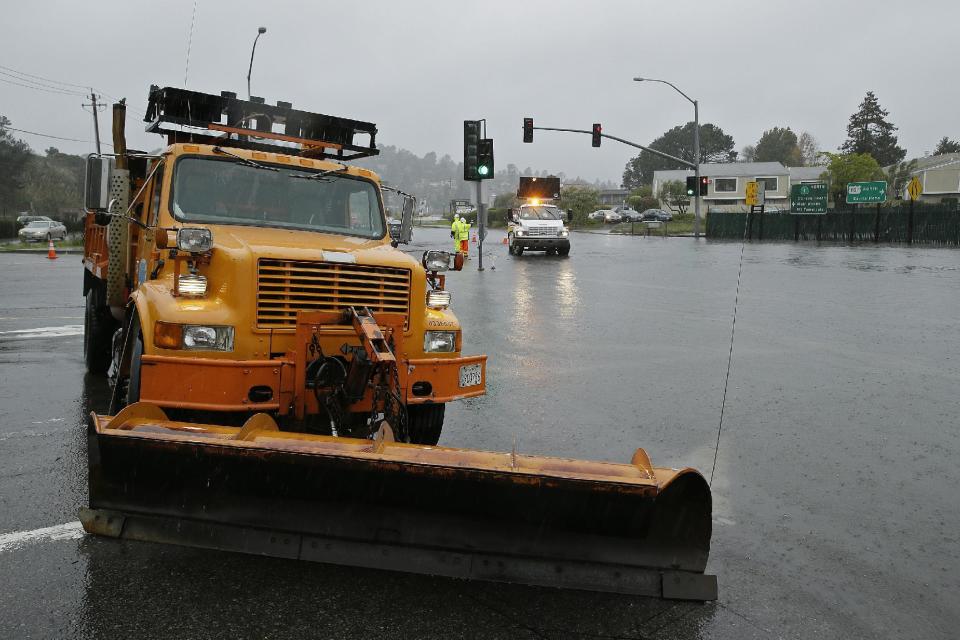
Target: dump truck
{"points": [[280, 370]]}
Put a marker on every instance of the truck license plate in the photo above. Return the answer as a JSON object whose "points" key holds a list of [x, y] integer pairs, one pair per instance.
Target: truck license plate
{"points": [[470, 375]]}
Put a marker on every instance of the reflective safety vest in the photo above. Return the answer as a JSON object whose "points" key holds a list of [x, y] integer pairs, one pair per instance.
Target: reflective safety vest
{"points": [[464, 233]]}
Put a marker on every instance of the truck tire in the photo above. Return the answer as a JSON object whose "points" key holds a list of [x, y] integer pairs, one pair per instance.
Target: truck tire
{"points": [[98, 328], [425, 422], [518, 251], [133, 383], [565, 251]]}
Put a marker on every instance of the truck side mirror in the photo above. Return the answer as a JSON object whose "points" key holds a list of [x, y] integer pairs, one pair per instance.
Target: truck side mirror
{"points": [[97, 183], [406, 220]]}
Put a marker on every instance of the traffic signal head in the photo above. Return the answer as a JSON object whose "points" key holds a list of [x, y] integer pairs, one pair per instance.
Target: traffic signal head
{"points": [[485, 159], [704, 183], [597, 130], [471, 149], [528, 129], [691, 185]]}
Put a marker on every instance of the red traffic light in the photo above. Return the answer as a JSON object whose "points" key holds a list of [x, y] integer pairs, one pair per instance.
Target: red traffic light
{"points": [[597, 134], [704, 185], [528, 129]]}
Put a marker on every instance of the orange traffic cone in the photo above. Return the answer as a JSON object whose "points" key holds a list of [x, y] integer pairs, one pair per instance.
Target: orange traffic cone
{"points": [[51, 251], [504, 241]]}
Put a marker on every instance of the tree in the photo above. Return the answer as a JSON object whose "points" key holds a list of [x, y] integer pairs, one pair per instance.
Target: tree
{"points": [[748, 153], [642, 199], [779, 145], [14, 156], [869, 132], [899, 175], [674, 194], [581, 201], [843, 168], [715, 146], [809, 150], [946, 145]]}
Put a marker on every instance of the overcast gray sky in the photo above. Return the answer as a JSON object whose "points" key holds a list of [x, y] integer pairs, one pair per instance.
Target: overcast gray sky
{"points": [[418, 69]]}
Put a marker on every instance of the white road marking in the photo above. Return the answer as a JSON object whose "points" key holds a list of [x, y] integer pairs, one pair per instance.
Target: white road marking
{"points": [[41, 317], [44, 332], [17, 539]]}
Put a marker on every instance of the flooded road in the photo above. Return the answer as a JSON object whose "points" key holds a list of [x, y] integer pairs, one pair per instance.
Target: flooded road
{"points": [[835, 513]]}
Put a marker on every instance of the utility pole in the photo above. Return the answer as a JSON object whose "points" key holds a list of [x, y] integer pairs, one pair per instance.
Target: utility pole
{"points": [[96, 123]]}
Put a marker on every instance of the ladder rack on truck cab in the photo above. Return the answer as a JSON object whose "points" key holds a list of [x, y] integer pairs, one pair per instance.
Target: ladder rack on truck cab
{"points": [[227, 121]]}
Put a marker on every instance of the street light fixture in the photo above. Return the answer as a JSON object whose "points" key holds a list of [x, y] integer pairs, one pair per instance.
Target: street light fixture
{"points": [[260, 32], [696, 149]]}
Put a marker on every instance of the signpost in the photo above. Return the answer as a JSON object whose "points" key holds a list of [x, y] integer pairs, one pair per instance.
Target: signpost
{"points": [[866, 192], [754, 195], [914, 189], [810, 198]]}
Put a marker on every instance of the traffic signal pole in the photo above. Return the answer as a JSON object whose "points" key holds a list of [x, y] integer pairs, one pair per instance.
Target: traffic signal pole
{"points": [[481, 223], [696, 169], [685, 163]]}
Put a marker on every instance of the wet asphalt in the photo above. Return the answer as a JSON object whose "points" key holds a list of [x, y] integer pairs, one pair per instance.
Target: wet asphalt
{"points": [[836, 513]]}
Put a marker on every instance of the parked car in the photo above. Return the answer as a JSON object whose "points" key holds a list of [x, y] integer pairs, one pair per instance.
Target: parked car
{"points": [[658, 215], [597, 215], [40, 230], [611, 216], [630, 215], [26, 218]]}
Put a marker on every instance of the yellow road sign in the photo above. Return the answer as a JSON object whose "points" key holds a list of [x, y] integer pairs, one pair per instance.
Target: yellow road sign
{"points": [[914, 189], [753, 191]]}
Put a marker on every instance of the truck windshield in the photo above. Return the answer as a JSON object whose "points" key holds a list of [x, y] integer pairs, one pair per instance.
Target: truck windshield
{"points": [[220, 191], [539, 213]]}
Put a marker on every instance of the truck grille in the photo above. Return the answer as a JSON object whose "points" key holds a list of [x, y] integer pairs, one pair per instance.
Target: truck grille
{"points": [[541, 231], [287, 286]]}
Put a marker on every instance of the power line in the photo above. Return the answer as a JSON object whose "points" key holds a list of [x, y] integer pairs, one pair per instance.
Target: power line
{"points": [[30, 75], [39, 84], [63, 92], [47, 135]]}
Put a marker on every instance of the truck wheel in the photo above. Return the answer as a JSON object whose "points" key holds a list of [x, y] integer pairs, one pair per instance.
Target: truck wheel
{"points": [[425, 422], [133, 383], [98, 328], [518, 251], [565, 251]]}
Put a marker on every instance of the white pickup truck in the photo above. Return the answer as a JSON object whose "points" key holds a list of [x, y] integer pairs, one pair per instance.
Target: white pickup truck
{"points": [[537, 228]]}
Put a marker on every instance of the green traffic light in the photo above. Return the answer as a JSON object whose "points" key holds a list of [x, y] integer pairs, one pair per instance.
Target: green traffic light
{"points": [[483, 170]]}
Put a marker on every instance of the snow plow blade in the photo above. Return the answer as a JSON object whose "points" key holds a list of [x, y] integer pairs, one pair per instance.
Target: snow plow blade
{"points": [[625, 528]]}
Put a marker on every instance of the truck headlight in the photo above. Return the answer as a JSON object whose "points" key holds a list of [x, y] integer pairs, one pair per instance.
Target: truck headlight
{"points": [[563, 233], [194, 239], [438, 260], [194, 337], [440, 341], [438, 299], [519, 232], [191, 285]]}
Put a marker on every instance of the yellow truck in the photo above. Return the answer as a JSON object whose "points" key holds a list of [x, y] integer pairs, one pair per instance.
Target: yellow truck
{"points": [[246, 274], [280, 371]]}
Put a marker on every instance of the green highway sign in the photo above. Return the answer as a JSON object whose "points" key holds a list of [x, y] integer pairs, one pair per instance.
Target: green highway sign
{"points": [[866, 192], [808, 198]]}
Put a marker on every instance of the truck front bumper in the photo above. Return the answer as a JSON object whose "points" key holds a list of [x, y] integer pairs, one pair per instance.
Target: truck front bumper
{"points": [[269, 385], [541, 243]]}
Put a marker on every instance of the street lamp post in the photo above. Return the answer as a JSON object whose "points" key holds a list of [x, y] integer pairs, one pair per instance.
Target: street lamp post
{"points": [[696, 150], [260, 32]]}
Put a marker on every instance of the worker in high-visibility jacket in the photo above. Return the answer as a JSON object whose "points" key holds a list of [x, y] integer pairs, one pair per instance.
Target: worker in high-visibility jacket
{"points": [[464, 236], [455, 232]]}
